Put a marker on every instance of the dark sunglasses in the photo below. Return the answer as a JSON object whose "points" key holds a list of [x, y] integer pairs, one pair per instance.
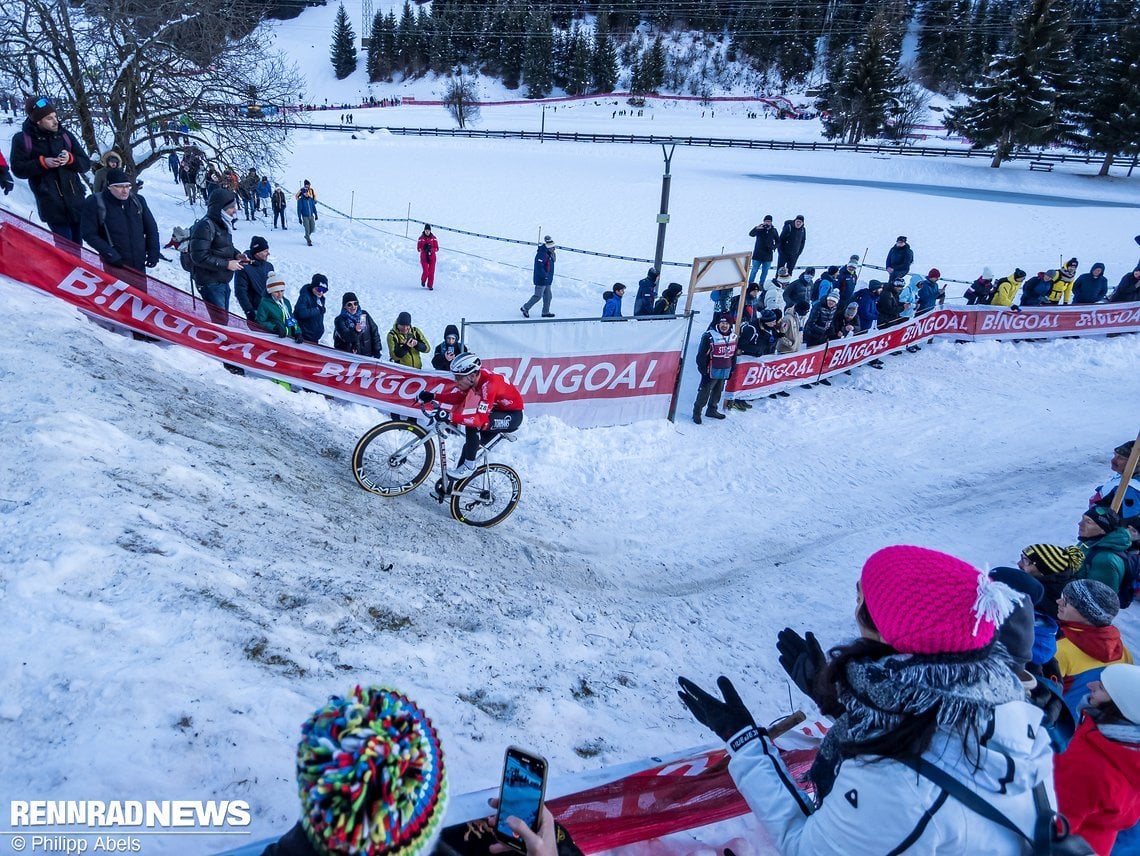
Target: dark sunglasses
{"points": [[352, 303], [321, 289]]}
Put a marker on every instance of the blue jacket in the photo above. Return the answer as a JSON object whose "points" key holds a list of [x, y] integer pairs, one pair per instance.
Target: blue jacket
{"points": [[909, 295], [899, 260], [1035, 290], [928, 294], [1089, 288], [306, 206], [612, 309], [846, 284], [543, 266], [310, 314], [646, 296], [868, 303]]}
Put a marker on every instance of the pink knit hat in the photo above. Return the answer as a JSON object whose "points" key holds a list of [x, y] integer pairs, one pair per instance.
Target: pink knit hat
{"points": [[926, 602]]}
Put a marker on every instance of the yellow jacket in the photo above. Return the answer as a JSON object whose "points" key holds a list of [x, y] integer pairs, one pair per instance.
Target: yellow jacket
{"points": [[1062, 292], [1006, 291]]}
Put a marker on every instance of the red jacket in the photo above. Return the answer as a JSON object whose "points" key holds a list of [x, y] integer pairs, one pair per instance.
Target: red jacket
{"points": [[473, 408], [1096, 780], [431, 244]]}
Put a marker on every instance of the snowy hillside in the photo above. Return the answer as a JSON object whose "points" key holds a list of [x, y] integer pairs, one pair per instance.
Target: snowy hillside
{"points": [[190, 569]]}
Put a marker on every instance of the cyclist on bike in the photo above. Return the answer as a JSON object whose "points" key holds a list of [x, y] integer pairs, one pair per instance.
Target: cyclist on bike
{"points": [[483, 402]]}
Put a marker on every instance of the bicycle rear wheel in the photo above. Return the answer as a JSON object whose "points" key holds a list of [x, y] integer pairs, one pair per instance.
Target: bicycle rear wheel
{"points": [[391, 460], [487, 496]]}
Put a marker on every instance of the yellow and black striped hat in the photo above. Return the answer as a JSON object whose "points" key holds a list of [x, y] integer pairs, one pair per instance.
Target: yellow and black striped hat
{"points": [[1052, 559]]}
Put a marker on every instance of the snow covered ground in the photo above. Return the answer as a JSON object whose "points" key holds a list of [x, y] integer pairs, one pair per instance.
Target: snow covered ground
{"points": [[189, 568]]}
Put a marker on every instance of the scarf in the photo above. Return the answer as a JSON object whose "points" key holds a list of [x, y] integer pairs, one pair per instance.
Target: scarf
{"points": [[879, 695], [354, 317]]}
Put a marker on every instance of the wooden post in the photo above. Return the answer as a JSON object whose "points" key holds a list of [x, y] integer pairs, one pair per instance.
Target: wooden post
{"points": [[1126, 475]]}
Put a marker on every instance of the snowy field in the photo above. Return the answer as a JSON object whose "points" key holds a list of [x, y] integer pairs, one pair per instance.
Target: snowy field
{"points": [[189, 568]]}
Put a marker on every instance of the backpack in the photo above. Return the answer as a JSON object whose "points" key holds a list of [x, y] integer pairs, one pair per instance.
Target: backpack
{"points": [[1131, 559], [180, 240], [28, 141]]}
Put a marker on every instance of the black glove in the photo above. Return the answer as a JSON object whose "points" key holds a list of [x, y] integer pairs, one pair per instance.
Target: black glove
{"points": [[725, 718], [802, 658], [426, 396], [249, 317], [299, 337], [6, 181]]}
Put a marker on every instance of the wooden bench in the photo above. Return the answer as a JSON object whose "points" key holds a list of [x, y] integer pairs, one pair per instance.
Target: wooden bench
{"points": [[1040, 166]]}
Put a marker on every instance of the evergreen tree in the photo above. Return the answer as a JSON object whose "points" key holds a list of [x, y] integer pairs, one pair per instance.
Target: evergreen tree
{"points": [[389, 41], [537, 71], [1109, 116], [604, 65], [942, 43], [376, 62], [343, 46], [406, 39], [636, 79], [859, 104], [512, 43], [559, 58], [579, 61], [653, 67], [1024, 98]]}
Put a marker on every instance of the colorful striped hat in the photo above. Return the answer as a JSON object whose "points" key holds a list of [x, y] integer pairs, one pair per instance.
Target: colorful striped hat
{"points": [[1052, 559], [371, 776]]}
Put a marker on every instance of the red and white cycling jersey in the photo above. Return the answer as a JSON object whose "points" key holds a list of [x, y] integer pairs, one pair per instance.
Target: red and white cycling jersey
{"points": [[473, 408]]}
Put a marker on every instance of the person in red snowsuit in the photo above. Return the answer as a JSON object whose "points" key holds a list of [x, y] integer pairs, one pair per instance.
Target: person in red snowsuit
{"points": [[428, 246], [483, 402]]}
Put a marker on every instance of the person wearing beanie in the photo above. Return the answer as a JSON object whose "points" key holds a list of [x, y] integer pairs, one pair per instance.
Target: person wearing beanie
{"points": [[828, 280], [800, 289], [667, 303], [1126, 291], [275, 312], [847, 281], [428, 248], [899, 259], [1043, 645], [355, 331], [793, 238], [249, 282], [108, 160], [543, 278], [118, 225], [1035, 289], [646, 293], [307, 210], [1091, 287], [372, 779], [51, 159], [888, 305], [931, 292], [1005, 292], [981, 290], [1053, 567], [846, 323], [1106, 493], [767, 239], [213, 253], [1089, 641], [1062, 280], [867, 299], [310, 308], [406, 343], [1097, 774], [817, 328], [716, 357], [1104, 541], [925, 680], [448, 349]]}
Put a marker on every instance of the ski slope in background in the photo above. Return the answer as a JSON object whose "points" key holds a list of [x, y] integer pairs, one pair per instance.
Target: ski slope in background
{"points": [[190, 569]]}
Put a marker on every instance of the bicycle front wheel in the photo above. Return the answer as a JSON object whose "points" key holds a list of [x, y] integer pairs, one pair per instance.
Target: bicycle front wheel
{"points": [[487, 496], [393, 458]]}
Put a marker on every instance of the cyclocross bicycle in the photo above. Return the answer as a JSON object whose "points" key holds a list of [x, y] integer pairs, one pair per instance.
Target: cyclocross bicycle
{"points": [[396, 457]]}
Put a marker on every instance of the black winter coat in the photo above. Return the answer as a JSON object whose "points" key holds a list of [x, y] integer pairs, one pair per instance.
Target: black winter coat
{"points": [[818, 324], [59, 192], [1127, 290], [792, 242], [899, 260], [366, 343], [797, 291], [249, 285], [127, 236], [766, 242], [212, 245], [1089, 288], [979, 292], [646, 295], [889, 307], [310, 314]]}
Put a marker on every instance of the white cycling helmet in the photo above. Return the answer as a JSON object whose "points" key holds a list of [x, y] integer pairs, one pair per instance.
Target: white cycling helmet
{"points": [[466, 364]]}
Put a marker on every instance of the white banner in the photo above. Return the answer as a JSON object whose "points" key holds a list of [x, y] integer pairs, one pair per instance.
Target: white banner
{"points": [[587, 372]]}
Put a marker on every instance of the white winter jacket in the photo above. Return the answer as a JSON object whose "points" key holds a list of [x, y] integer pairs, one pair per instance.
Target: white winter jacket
{"points": [[885, 807]]}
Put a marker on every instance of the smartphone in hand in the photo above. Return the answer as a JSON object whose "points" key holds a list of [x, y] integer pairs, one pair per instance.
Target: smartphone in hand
{"points": [[521, 794]]}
